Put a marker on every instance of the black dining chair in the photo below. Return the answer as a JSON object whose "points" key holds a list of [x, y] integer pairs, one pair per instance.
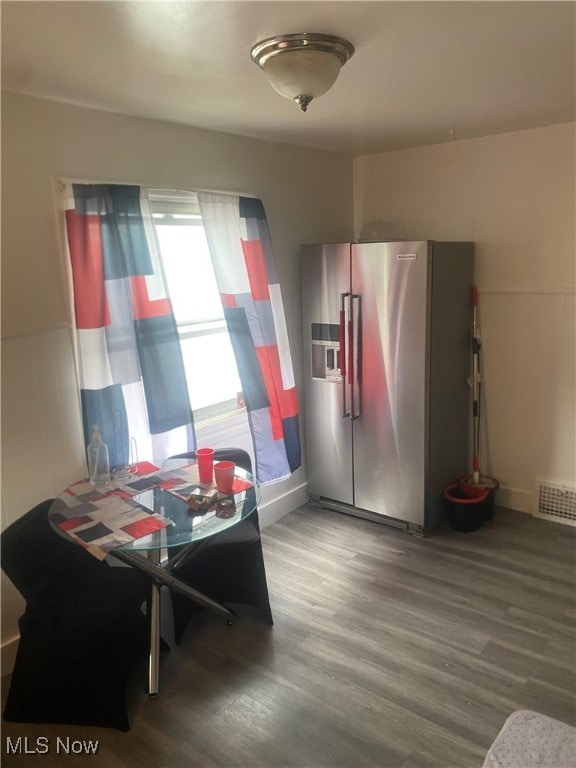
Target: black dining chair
{"points": [[228, 567], [81, 634]]}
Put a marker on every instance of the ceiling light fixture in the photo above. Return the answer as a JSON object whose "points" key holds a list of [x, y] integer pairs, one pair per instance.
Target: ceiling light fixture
{"points": [[302, 66]]}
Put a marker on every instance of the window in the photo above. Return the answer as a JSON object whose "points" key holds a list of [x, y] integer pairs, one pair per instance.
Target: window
{"points": [[130, 340], [211, 371]]}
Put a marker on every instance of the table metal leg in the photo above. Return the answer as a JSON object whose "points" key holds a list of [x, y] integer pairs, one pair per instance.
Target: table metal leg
{"points": [[155, 614], [160, 577], [168, 580]]}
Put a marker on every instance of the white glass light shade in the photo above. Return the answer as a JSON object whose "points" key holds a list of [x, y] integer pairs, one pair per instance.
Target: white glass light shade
{"points": [[302, 66], [302, 73]]}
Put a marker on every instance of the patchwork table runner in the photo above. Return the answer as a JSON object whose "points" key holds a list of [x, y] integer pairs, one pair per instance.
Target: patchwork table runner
{"points": [[101, 518]]}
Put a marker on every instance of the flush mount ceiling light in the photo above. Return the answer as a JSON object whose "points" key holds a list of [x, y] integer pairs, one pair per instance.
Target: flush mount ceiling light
{"points": [[303, 66]]}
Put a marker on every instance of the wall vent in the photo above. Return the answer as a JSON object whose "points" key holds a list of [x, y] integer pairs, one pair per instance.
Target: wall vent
{"points": [[555, 501]]}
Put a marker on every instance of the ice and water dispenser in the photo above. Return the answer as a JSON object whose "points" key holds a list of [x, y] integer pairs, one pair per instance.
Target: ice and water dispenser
{"points": [[326, 351]]}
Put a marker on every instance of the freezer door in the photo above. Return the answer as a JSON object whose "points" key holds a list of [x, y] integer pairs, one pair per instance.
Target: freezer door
{"points": [[390, 432], [326, 299]]}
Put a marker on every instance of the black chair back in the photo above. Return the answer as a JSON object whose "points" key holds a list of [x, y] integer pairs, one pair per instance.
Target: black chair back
{"points": [[34, 556], [82, 632], [238, 455]]}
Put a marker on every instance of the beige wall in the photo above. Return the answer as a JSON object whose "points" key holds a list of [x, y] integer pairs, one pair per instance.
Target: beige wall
{"points": [[307, 195], [513, 195]]}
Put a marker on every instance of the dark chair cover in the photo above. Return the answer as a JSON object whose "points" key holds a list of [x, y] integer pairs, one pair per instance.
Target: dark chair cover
{"points": [[81, 634], [228, 567]]}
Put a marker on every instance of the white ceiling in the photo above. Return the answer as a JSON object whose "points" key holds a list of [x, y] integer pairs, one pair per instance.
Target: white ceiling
{"points": [[422, 73]]}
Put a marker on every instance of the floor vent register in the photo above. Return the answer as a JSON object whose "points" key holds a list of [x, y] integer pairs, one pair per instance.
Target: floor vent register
{"points": [[555, 501]]}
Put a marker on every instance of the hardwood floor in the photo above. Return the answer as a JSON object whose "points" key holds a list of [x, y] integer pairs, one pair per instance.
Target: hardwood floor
{"points": [[387, 651]]}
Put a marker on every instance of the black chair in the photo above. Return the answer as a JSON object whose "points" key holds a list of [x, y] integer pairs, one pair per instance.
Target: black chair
{"points": [[228, 567], [81, 634]]}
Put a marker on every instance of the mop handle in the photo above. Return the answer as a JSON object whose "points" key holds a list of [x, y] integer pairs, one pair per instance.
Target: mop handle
{"points": [[476, 385], [475, 333]]}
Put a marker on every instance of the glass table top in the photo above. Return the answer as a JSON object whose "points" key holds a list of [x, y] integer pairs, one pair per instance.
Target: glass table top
{"points": [[150, 511]]}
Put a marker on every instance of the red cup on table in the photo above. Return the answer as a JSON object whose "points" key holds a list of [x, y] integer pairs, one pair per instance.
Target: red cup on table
{"points": [[205, 461], [224, 475]]}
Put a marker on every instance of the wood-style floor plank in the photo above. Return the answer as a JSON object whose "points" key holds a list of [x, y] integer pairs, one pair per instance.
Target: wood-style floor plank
{"points": [[388, 651]]}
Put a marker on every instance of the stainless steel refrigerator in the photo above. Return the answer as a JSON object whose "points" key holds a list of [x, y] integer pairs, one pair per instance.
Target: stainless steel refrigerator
{"points": [[387, 347]]}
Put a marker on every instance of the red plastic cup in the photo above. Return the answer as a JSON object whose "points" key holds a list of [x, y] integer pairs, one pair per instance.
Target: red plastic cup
{"points": [[224, 475], [205, 460]]}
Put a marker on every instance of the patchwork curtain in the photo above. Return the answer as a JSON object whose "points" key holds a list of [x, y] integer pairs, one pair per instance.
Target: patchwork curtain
{"points": [[132, 378], [241, 252]]}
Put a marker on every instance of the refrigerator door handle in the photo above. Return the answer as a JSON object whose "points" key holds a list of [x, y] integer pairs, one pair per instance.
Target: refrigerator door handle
{"points": [[344, 322], [355, 360]]}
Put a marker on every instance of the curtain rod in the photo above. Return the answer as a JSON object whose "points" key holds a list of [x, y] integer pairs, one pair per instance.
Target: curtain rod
{"points": [[61, 180]]}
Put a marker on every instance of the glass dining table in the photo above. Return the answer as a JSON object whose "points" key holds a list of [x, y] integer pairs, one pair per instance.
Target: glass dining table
{"points": [[151, 519]]}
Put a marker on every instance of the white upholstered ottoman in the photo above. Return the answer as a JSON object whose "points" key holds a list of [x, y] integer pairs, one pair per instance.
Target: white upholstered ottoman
{"points": [[531, 740]]}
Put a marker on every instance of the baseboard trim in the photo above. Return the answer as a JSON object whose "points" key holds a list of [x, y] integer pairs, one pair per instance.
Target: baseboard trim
{"points": [[273, 510], [514, 498]]}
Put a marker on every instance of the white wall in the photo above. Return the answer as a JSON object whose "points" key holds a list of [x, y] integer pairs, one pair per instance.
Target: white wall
{"points": [[307, 195], [513, 195]]}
